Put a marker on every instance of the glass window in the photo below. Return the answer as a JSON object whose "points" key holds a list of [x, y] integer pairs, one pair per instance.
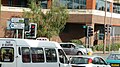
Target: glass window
{"points": [[100, 5], [7, 54], [74, 4], [70, 4], [79, 60], [10, 2], [44, 4], [37, 55], [96, 61], [82, 4], [18, 3], [62, 56], [25, 55], [102, 62], [66, 45], [108, 6], [116, 8], [63, 2], [114, 56], [51, 55]]}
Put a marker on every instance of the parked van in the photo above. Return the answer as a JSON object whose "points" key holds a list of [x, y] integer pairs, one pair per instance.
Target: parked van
{"points": [[31, 53]]}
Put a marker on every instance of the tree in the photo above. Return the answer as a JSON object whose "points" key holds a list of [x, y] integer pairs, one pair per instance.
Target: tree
{"points": [[50, 23]]}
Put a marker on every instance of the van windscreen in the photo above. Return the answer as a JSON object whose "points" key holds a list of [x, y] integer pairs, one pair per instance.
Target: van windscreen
{"points": [[7, 54]]}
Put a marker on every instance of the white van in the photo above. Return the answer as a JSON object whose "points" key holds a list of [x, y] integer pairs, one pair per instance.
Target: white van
{"points": [[31, 53], [42, 39]]}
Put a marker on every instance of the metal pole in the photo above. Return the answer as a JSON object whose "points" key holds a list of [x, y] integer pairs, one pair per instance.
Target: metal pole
{"points": [[111, 39], [17, 33], [104, 49], [23, 34]]}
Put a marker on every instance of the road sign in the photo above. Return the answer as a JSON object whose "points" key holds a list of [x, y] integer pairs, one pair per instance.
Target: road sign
{"points": [[8, 25], [17, 19], [17, 25]]}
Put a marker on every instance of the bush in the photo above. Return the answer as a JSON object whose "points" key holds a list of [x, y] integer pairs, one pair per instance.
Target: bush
{"points": [[113, 47], [76, 41]]}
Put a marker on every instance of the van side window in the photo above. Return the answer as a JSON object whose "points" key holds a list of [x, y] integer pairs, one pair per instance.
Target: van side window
{"points": [[37, 55], [51, 55], [62, 57], [25, 55], [7, 54]]}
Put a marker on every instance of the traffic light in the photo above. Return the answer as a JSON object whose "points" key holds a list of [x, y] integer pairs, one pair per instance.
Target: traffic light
{"points": [[106, 28], [33, 30], [27, 34], [90, 31], [26, 21], [109, 29]]}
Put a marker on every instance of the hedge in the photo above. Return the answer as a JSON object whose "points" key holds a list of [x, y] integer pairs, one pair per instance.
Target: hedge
{"points": [[113, 47]]}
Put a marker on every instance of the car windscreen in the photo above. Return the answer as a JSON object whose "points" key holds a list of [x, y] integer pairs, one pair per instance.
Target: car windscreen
{"points": [[79, 60], [114, 57]]}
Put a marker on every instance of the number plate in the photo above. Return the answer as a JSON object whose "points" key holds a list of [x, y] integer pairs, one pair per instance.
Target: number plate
{"points": [[115, 65]]}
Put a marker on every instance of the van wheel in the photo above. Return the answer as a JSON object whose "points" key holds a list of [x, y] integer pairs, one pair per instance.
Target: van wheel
{"points": [[79, 53]]}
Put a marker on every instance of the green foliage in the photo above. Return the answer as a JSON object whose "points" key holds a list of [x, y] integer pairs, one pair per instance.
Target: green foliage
{"points": [[77, 41], [50, 23], [113, 47]]}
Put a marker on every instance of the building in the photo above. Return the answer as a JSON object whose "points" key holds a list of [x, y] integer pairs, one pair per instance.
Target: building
{"points": [[116, 1], [82, 13]]}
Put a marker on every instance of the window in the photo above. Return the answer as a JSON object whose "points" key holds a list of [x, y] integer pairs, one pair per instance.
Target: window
{"points": [[51, 55], [10, 2], [16, 3], [25, 55], [74, 4], [66, 45], [114, 56], [116, 8], [96, 60], [44, 4], [79, 60], [37, 55], [102, 62], [62, 57], [7, 54], [100, 5], [108, 6]]}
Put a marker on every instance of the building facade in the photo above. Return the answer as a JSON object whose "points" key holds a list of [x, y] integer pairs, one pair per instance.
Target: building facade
{"points": [[82, 13]]}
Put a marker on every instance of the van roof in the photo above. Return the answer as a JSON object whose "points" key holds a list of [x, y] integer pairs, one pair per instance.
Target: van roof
{"points": [[33, 43]]}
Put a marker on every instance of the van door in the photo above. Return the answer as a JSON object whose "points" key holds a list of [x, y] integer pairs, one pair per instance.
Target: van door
{"points": [[8, 53], [51, 57], [63, 61]]}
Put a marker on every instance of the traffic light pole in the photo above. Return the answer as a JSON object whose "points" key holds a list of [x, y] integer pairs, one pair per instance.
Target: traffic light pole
{"points": [[104, 46], [23, 34], [87, 39]]}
